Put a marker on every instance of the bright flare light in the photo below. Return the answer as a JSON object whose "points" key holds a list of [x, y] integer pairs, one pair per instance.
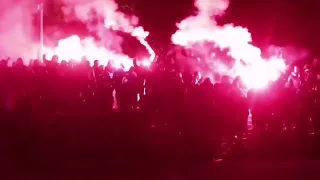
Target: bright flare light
{"points": [[255, 72], [75, 48]]}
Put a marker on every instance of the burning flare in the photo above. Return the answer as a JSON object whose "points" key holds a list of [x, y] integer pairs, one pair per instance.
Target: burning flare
{"points": [[109, 47]]}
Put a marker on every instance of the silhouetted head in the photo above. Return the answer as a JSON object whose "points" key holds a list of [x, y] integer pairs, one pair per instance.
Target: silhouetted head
{"points": [[64, 63], [101, 67], [96, 63], [36, 63], [19, 62], [4, 63], [55, 59], [296, 69]]}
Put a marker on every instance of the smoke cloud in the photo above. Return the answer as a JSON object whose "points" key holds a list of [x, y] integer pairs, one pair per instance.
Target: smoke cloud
{"points": [[103, 19], [16, 29]]}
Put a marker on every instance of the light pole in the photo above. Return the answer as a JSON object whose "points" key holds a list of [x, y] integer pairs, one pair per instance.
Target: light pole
{"points": [[40, 9]]}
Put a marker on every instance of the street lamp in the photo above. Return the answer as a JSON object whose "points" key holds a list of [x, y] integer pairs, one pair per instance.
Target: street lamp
{"points": [[40, 9]]}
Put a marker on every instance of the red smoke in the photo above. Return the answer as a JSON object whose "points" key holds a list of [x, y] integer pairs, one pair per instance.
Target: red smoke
{"points": [[20, 41], [255, 71]]}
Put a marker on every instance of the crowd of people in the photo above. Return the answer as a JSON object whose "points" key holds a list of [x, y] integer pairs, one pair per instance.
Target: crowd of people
{"points": [[202, 112]]}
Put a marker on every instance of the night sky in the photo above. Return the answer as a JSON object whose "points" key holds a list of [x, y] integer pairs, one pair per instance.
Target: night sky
{"points": [[279, 22]]}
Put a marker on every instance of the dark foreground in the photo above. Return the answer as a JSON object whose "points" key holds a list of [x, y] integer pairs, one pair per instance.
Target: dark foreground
{"points": [[84, 168], [128, 147]]}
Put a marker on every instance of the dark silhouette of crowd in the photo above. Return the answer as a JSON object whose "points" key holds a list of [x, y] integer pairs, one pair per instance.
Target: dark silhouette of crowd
{"points": [[158, 108]]}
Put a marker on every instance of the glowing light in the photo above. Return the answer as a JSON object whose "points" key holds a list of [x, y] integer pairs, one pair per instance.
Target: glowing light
{"points": [[75, 48], [255, 71]]}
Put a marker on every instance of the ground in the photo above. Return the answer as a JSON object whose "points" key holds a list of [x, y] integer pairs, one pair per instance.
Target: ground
{"points": [[294, 169], [70, 148]]}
